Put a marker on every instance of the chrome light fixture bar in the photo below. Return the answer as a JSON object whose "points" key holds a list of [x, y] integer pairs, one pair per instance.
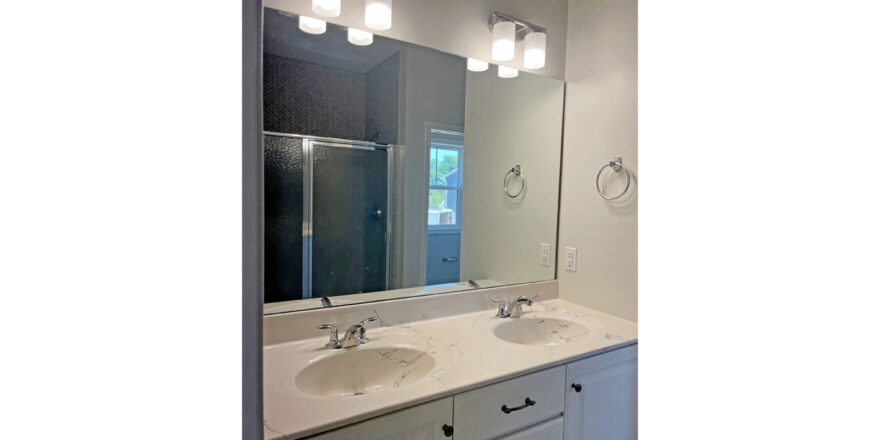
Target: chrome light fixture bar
{"points": [[507, 30], [522, 27]]}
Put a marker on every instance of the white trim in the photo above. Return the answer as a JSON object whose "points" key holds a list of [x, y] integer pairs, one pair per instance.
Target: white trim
{"points": [[451, 133]]}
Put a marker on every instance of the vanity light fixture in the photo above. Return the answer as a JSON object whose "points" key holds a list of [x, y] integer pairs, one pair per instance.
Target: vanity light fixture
{"points": [[507, 30], [475, 65], [377, 14], [535, 49], [327, 8], [507, 72], [312, 25], [359, 37], [503, 40]]}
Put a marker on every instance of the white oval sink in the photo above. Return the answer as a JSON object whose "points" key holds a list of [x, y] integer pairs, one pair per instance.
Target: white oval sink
{"points": [[540, 331], [360, 371]]}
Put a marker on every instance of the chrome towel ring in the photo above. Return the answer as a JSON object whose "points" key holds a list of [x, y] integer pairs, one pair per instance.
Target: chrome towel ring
{"points": [[616, 164], [516, 171]]}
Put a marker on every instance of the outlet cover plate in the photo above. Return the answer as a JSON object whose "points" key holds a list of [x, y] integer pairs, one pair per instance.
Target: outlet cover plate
{"points": [[571, 258], [546, 251]]}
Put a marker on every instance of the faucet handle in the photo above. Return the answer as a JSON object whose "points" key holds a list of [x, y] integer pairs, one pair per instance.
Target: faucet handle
{"points": [[501, 306], [362, 331], [370, 319], [334, 335]]}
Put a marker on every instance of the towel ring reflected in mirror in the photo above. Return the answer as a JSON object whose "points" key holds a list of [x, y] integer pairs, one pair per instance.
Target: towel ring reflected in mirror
{"points": [[516, 171], [615, 164]]}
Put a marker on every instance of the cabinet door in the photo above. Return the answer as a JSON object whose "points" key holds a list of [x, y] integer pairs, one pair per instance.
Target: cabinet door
{"points": [[429, 421], [606, 406]]}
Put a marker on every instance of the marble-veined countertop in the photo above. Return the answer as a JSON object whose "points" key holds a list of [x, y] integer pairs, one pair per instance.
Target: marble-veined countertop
{"points": [[467, 354]]}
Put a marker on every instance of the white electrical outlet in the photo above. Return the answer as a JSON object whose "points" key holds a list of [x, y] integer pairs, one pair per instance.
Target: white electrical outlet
{"points": [[571, 259], [546, 249]]}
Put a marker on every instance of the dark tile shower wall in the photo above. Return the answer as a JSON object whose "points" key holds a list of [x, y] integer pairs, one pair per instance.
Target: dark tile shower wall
{"points": [[283, 210], [306, 98], [382, 101]]}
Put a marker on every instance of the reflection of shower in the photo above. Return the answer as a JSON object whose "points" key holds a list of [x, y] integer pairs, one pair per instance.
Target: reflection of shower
{"points": [[328, 216]]}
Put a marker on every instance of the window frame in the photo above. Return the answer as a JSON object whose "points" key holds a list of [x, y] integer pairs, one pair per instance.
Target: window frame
{"points": [[450, 138]]}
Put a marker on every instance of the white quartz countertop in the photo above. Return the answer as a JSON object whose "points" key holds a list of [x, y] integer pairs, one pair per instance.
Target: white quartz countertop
{"points": [[467, 355]]}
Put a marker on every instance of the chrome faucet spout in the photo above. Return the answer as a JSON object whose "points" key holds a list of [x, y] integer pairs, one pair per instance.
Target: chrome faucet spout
{"points": [[357, 334], [354, 335], [514, 309]]}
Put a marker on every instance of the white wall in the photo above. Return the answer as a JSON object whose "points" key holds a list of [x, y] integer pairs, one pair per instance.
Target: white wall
{"points": [[457, 26], [433, 90], [507, 122], [601, 121]]}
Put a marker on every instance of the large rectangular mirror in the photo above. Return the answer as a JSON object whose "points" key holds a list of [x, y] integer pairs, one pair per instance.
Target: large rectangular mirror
{"points": [[390, 170]]}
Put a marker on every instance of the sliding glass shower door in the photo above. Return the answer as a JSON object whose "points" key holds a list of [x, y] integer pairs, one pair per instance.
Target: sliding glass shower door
{"points": [[349, 218]]}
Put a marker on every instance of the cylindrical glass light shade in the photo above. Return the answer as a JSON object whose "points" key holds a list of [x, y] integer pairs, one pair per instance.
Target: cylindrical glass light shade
{"points": [[359, 37], [507, 72], [476, 65], [312, 25], [503, 40], [327, 8], [535, 49], [377, 14]]}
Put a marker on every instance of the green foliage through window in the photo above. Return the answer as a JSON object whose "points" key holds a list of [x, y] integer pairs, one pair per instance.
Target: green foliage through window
{"points": [[448, 163]]}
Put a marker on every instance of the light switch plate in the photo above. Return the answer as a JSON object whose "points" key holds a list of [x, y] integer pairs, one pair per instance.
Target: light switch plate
{"points": [[546, 251], [571, 259]]}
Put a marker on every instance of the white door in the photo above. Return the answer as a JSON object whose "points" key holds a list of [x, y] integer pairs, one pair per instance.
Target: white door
{"points": [[429, 421], [602, 396]]}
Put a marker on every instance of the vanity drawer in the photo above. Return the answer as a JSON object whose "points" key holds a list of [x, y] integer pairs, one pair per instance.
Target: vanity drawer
{"points": [[428, 421], [550, 430], [480, 413]]}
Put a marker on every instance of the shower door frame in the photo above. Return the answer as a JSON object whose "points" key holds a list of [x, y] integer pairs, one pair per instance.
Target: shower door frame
{"points": [[308, 196]]}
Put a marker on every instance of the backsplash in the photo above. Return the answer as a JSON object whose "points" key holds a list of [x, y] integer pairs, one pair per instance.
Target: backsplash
{"points": [[287, 327]]}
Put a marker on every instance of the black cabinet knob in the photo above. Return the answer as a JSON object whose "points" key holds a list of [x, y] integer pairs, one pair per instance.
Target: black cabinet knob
{"points": [[447, 430], [576, 387]]}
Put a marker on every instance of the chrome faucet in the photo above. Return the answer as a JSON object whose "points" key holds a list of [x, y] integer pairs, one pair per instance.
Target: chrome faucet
{"points": [[514, 310], [354, 336]]}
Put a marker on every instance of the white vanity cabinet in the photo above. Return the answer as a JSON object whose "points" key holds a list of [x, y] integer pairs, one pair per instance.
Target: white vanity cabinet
{"points": [[428, 421], [602, 396], [592, 398], [510, 406]]}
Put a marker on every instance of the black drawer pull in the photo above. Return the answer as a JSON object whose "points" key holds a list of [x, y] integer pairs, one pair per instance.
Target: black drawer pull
{"points": [[529, 402], [577, 387], [447, 430]]}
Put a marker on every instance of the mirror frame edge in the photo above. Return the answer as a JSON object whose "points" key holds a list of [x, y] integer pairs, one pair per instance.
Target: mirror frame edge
{"points": [[252, 221]]}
